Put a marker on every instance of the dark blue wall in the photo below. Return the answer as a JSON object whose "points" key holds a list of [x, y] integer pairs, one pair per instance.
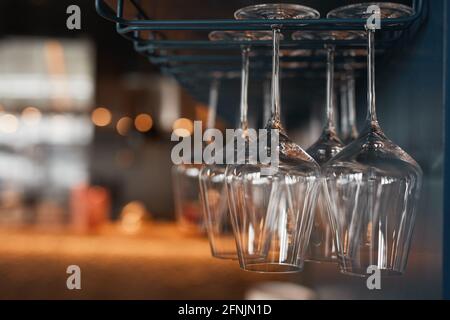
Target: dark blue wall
{"points": [[410, 100], [447, 155]]}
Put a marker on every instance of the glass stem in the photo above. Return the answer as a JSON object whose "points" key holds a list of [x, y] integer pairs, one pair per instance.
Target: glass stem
{"points": [[330, 120], [244, 88], [371, 112], [267, 101], [345, 127], [351, 103], [275, 121], [213, 100]]}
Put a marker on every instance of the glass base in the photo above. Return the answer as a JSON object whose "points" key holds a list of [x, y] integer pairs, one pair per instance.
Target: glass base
{"points": [[272, 268], [296, 53], [389, 10], [328, 35], [240, 36], [277, 11]]}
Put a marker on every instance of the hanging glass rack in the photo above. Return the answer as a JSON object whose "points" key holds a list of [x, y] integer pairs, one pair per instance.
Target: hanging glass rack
{"points": [[183, 59]]}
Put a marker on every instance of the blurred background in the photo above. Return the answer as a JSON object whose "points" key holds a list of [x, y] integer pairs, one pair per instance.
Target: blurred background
{"points": [[86, 174]]}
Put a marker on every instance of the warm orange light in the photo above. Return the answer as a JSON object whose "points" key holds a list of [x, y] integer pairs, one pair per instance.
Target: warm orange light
{"points": [[143, 122], [55, 57], [183, 127], [8, 123], [56, 67], [134, 207], [124, 125], [132, 216], [101, 117], [31, 116]]}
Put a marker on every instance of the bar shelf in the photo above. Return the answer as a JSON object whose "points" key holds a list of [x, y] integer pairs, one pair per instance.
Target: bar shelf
{"points": [[179, 57]]}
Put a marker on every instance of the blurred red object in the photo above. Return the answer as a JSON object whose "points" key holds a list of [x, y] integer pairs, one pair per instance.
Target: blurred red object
{"points": [[90, 207]]}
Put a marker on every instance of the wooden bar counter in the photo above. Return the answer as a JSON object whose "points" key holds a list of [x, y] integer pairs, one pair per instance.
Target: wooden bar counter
{"points": [[157, 263]]}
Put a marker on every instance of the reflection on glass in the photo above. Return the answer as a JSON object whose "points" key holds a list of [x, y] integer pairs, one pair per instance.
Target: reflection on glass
{"points": [[349, 129], [212, 177], [372, 185], [187, 198], [272, 214], [321, 244]]}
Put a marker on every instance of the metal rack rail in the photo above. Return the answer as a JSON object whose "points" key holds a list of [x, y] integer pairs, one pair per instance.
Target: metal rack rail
{"points": [[180, 57]]}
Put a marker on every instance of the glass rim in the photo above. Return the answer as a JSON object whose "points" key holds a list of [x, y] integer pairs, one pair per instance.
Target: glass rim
{"points": [[302, 12], [347, 11], [233, 256], [362, 273], [278, 268]]}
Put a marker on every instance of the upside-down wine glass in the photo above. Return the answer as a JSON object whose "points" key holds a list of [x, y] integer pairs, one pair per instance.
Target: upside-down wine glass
{"points": [[212, 176], [349, 129], [372, 186], [272, 205], [321, 244], [187, 197]]}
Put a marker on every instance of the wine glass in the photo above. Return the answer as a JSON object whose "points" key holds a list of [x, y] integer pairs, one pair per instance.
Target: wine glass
{"points": [[372, 186], [212, 176], [349, 129], [272, 210], [186, 197], [185, 176], [321, 245]]}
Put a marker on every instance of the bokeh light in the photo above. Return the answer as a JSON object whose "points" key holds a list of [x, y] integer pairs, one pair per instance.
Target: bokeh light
{"points": [[101, 117], [123, 125], [31, 116], [183, 127], [8, 123], [143, 122], [132, 217]]}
